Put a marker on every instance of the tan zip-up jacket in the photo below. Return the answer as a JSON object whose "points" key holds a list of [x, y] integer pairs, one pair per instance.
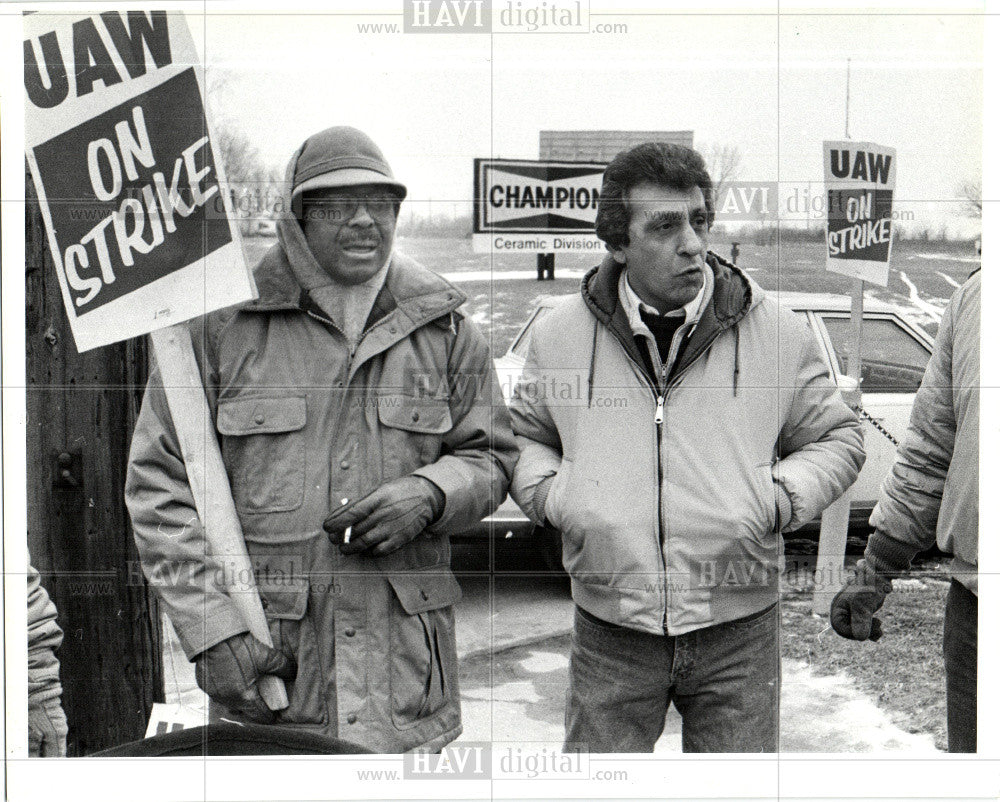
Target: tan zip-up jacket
{"points": [[666, 494]]}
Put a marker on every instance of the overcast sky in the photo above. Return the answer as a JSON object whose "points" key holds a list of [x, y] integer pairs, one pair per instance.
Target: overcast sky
{"points": [[772, 86]]}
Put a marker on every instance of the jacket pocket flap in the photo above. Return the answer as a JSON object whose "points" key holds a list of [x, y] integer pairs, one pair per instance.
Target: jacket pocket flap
{"points": [[282, 584], [422, 415], [261, 415], [420, 591], [286, 601]]}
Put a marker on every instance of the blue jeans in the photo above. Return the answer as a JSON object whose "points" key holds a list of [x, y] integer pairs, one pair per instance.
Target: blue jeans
{"points": [[725, 681], [961, 619]]}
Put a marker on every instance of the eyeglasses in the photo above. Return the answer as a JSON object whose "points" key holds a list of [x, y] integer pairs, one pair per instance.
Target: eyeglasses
{"points": [[343, 208]]}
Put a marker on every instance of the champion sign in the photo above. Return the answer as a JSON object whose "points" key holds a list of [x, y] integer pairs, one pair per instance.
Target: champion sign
{"points": [[529, 197]]}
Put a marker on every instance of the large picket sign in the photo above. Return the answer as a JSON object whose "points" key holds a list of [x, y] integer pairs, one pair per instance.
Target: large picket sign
{"points": [[860, 180], [139, 226], [129, 186]]}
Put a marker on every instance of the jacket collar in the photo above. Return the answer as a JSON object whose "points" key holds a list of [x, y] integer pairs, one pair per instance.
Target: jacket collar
{"points": [[732, 297], [417, 292]]}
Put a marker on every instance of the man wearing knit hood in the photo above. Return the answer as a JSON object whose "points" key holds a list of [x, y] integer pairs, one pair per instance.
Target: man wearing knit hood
{"points": [[360, 422]]}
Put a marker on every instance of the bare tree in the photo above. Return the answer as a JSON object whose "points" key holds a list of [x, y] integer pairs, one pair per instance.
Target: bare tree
{"points": [[723, 162], [243, 164], [971, 193], [254, 186]]}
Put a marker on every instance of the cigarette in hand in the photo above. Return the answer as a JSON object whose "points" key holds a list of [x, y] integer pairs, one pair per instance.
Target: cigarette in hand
{"points": [[347, 532]]}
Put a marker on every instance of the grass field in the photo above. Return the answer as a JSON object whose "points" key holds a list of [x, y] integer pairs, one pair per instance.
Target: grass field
{"points": [[903, 671], [922, 277]]}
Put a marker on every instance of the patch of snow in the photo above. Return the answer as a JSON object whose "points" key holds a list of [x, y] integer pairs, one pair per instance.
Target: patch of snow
{"points": [[948, 257], [908, 584], [949, 279], [826, 703], [537, 662], [917, 301]]}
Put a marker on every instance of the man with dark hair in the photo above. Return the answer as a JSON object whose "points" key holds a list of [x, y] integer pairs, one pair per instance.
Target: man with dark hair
{"points": [[705, 426], [361, 422]]}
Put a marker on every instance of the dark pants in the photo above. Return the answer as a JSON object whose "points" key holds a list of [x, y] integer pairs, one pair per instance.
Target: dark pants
{"points": [[725, 681], [961, 618]]}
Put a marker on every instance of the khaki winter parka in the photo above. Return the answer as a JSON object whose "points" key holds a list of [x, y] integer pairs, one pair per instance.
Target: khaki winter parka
{"points": [[302, 425]]}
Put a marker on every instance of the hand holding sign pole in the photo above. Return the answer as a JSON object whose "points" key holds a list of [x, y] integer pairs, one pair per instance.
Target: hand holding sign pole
{"points": [[860, 180], [207, 478], [138, 225]]}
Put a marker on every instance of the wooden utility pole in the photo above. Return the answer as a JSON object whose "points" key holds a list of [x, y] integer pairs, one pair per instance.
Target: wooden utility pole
{"points": [[81, 410]]}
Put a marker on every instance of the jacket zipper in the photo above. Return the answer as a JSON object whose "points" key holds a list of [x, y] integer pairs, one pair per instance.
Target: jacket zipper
{"points": [[342, 396], [659, 394], [658, 420], [663, 540]]}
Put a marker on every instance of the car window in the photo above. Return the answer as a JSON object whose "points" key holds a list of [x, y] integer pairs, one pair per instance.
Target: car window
{"points": [[520, 346], [892, 359]]}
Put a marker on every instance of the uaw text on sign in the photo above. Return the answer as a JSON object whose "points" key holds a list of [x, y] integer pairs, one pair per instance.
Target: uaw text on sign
{"points": [[860, 179], [117, 144]]}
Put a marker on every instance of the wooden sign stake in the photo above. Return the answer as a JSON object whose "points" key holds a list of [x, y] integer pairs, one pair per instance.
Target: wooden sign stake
{"points": [[210, 484], [836, 520]]}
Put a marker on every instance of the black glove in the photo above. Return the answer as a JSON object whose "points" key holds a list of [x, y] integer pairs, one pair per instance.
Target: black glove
{"points": [[853, 608], [388, 518], [228, 673], [47, 729]]}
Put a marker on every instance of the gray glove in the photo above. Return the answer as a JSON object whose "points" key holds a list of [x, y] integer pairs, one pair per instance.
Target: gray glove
{"points": [[228, 673], [47, 729], [388, 518], [852, 611]]}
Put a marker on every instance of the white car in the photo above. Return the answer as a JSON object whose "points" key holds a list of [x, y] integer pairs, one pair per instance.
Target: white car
{"points": [[894, 351]]}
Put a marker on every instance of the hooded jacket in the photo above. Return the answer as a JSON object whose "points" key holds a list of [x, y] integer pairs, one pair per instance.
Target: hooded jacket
{"points": [[933, 487], [302, 423], [667, 490]]}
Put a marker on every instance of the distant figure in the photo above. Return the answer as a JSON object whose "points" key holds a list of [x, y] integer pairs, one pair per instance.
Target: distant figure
{"points": [[734, 252], [46, 720], [546, 266]]}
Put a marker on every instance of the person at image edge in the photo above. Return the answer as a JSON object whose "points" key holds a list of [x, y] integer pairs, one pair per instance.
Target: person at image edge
{"points": [[932, 495]]}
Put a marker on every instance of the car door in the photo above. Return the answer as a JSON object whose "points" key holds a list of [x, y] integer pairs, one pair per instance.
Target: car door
{"points": [[894, 356], [510, 365]]}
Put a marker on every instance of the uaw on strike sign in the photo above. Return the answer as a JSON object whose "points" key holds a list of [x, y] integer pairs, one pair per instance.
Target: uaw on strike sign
{"points": [[536, 206], [860, 179], [129, 186]]}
